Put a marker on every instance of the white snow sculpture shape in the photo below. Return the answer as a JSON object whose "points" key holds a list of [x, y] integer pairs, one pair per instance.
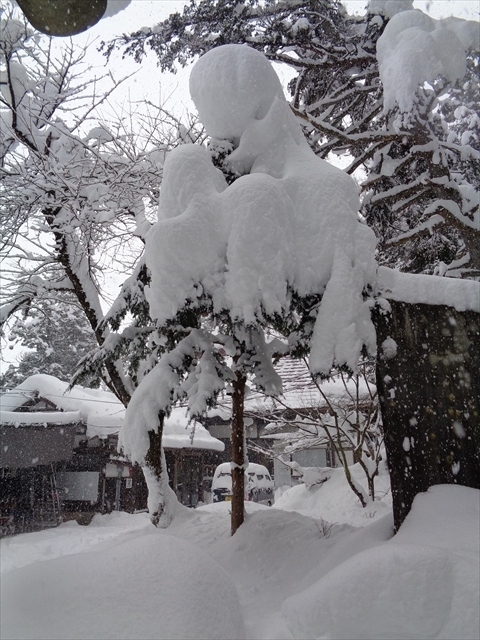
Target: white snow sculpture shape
{"points": [[232, 86], [291, 223], [415, 48]]}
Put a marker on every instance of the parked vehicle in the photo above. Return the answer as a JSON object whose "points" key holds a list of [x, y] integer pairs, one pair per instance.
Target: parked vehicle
{"points": [[258, 484]]}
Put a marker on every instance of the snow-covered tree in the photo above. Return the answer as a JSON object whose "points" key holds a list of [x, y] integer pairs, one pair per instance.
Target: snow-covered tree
{"points": [[279, 246], [408, 126], [56, 335], [76, 193], [77, 197], [394, 91]]}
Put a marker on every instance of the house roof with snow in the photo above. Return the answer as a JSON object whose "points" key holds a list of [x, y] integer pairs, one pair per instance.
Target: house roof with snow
{"points": [[299, 391], [99, 410]]}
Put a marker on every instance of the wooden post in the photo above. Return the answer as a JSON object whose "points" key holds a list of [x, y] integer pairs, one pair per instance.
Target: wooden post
{"points": [[238, 451], [428, 379]]}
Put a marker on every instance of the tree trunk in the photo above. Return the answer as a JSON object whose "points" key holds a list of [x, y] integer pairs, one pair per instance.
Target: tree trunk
{"points": [[429, 389], [161, 498], [238, 452]]}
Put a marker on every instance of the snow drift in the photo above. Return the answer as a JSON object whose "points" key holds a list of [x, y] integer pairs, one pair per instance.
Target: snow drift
{"points": [[149, 586], [423, 583]]}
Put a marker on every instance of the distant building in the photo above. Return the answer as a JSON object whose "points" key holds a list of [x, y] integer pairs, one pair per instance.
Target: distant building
{"points": [[275, 424], [59, 459]]}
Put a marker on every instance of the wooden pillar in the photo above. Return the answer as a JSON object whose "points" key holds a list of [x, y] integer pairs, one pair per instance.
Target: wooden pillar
{"points": [[428, 378]]}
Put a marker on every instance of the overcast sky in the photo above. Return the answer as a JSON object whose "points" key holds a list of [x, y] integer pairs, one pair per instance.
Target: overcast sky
{"points": [[172, 90]]}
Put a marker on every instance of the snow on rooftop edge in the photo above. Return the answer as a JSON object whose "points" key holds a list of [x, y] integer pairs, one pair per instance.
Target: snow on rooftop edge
{"points": [[39, 417], [100, 410]]}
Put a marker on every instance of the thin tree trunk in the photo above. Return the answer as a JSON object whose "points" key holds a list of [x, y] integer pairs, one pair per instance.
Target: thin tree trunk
{"points": [[238, 452]]}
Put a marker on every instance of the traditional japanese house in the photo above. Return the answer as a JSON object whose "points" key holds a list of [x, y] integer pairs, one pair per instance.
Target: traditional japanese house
{"points": [[59, 458]]}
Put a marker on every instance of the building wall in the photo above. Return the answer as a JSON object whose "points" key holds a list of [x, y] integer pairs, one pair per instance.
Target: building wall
{"points": [[35, 445]]}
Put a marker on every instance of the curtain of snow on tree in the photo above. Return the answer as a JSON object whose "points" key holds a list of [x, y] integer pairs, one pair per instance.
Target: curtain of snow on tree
{"points": [[283, 241]]}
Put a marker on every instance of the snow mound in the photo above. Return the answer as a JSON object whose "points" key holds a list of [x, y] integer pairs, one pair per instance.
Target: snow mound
{"points": [[70, 537], [223, 109], [276, 554], [153, 586], [334, 501], [423, 583]]}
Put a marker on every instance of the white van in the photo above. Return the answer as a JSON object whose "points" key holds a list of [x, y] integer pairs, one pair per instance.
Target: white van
{"points": [[258, 483]]}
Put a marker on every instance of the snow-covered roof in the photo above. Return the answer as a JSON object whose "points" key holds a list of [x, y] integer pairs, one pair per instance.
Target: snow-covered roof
{"points": [[178, 434], [299, 391], [100, 410], [39, 417]]}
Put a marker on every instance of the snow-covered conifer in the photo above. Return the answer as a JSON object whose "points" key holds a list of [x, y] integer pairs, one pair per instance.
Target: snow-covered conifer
{"points": [[354, 78], [283, 237]]}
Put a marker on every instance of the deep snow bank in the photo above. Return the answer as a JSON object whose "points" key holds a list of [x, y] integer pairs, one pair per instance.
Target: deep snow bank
{"points": [[423, 583], [152, 586], [335, 502]]}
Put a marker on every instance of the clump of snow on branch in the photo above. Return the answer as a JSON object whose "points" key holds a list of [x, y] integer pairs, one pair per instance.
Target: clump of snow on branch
{"points": [[462, 295], [290, 224], [415, 48], [389, 8], [163, 386]]}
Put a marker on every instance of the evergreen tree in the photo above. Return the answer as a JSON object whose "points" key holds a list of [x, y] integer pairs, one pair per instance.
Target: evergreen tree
{"points": [[233, 256], [57, 336], [418, 171]]}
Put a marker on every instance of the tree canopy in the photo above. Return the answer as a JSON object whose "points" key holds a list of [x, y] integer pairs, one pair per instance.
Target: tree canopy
{"points": [[76, 191], [418, 167], [56, 335]]}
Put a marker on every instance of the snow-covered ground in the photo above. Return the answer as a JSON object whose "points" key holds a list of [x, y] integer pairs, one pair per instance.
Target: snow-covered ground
{"points": [[287, 573]]}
